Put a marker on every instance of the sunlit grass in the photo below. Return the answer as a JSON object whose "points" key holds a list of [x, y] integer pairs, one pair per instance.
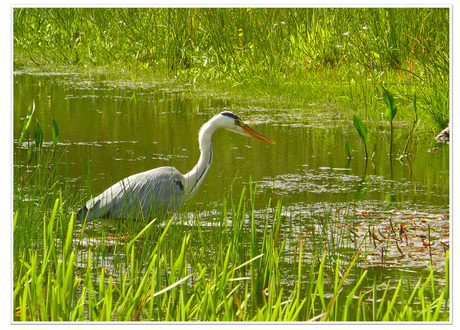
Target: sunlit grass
{"points": [[248, 261], [316, 55]]}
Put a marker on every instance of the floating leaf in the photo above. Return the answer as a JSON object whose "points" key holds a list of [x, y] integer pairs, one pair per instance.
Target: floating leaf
{"points": [[27, 121], [390, 113], [54, 132], [38, 135]]}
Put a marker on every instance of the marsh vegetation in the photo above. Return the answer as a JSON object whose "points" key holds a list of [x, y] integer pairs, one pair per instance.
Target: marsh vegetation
{"points": [[346, 218]]}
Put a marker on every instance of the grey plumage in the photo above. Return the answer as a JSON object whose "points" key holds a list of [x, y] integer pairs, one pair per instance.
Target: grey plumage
{"points": [[162, 189], [151, 192]]}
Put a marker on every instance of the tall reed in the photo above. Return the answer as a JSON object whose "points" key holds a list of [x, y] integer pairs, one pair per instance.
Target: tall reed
{"points": [[159, 275]]}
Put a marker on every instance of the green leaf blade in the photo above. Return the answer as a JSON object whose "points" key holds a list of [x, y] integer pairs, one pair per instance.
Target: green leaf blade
{"points": [[38, 135], [54, 132], [361, 128], [390, 113], [30, 153], [348, 149], [27, 121]]}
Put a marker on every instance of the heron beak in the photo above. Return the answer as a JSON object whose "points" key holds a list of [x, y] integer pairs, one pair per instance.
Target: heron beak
{"points": [[252, 132]]}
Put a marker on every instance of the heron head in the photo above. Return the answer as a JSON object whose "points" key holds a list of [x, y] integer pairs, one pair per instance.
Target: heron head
{"points": [[232, 122]]}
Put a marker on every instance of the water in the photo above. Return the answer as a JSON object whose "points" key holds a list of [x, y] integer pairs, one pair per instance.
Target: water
{"points": [[123, 130], [113, 127]]}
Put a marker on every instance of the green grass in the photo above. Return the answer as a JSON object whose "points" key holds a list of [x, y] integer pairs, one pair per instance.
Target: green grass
{"points": [[339, 56], [171, 270], [249, 261]]}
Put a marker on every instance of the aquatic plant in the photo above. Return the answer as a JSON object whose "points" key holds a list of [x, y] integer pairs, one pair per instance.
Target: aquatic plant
{"points": [[348, 149], [38, 136], [409, 142], [251, 267], [27, 122], [251, 259], [55, 136], [390, 113], [362, 130]]}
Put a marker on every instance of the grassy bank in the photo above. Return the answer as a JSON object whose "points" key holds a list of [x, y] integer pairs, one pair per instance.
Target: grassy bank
{"points": [[336, 56]]}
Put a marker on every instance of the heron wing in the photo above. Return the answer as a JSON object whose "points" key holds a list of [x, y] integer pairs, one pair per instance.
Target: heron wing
{"points": [[150, 192]]}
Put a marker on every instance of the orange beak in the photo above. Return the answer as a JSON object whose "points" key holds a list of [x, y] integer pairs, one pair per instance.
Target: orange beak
{"points": [[252, 132]]}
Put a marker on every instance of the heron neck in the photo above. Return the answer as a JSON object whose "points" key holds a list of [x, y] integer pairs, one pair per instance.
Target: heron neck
{"points": [[195, 177]]}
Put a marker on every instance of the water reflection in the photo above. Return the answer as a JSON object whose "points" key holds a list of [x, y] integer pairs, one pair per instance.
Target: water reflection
{"points": [[118, 130]]}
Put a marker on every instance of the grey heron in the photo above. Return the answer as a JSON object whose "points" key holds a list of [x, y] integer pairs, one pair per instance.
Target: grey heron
{"points": [[163, 189]]}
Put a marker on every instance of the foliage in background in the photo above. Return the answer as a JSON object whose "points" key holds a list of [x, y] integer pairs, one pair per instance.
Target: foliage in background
{"points": [[313, 54]]}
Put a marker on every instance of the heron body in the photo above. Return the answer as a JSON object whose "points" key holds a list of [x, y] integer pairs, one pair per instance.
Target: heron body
{"points": [[162, 189]]}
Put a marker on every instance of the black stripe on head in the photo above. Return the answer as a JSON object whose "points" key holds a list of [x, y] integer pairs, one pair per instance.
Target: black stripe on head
{"points": [[231, 115]]}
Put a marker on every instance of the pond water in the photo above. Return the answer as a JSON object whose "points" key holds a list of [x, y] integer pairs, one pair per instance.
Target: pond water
{"points": [[118, 127], [123, 130]]}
